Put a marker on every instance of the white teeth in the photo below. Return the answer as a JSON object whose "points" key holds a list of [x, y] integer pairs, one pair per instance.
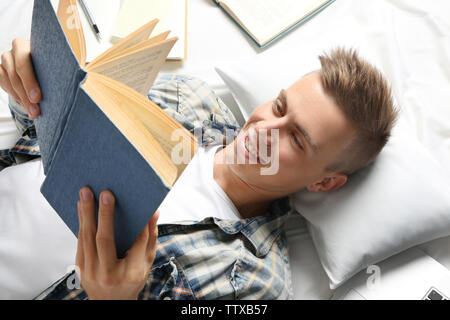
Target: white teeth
{"points": [[254, 151], [250, 147]]}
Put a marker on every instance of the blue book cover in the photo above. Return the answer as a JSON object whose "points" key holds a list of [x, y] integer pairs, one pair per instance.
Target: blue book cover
{"points": [[80, 145]]}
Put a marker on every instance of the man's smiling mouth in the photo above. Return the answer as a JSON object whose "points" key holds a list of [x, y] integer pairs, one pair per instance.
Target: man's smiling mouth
{"points": [[252, 152]]}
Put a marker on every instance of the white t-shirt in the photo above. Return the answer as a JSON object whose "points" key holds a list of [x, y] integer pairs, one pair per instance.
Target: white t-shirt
{"points": [[196, 195]]}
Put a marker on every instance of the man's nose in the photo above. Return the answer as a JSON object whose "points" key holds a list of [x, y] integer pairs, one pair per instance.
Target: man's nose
{"points": [[271, 124], [269, 132]]}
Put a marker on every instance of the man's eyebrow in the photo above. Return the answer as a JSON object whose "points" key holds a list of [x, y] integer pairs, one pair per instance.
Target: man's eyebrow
{"points": [[305, 134]]}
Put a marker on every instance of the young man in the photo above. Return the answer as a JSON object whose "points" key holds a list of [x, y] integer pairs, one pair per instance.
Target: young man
{"points": [[329, 124]]}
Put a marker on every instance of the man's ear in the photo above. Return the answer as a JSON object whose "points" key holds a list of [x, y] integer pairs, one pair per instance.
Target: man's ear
{"points": [[329, 183]]}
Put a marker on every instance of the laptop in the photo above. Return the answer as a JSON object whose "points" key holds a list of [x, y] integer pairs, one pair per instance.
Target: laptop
{"points": [[410, 275]]}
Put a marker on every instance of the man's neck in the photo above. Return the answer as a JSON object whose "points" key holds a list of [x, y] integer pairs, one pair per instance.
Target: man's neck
{"points": [[249, 200]]}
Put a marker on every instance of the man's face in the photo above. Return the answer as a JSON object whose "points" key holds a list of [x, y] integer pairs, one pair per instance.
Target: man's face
{"points": [[312, 133]]}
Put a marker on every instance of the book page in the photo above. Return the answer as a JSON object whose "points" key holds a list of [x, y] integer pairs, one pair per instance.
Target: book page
{"points": [[170, 13], [134, 38], [69, 19], [137, 69], [265, 19], [143, 44]]}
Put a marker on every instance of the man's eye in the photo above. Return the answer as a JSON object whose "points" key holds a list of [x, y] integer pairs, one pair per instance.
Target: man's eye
{"points": [[297, 142], [278, 106]]}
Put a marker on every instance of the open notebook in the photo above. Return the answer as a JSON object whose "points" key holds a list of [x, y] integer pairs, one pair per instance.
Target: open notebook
{"points": [[172, 14], [267, 20]]}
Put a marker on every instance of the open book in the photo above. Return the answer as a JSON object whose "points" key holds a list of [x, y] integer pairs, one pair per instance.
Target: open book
{"points": [[97, 127], [267, 20]]}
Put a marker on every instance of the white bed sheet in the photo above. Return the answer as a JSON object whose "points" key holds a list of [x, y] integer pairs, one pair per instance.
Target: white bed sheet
{"points": [[36, 247]]}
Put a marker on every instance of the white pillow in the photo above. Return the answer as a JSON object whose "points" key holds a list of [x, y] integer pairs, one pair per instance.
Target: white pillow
{"points": [[260, 80], [36, 246], [398, 202]]}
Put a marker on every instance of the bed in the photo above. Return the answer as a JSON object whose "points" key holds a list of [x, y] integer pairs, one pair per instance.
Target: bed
{"points": [[36, 247]]}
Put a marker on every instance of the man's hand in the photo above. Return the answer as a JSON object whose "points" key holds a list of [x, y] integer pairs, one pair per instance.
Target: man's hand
{"points": [[102, 275], [17, 76]]}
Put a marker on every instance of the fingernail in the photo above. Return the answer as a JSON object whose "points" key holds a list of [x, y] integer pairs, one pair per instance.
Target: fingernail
{"points": [[107, 198], [33, 94], [85, 194], [33, 110]]}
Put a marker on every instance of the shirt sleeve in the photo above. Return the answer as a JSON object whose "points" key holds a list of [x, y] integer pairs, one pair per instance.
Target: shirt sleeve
{"points": [[27, 147], [196, 106]]}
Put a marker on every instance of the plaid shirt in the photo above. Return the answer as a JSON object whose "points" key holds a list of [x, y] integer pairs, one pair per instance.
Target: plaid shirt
{"points": [[212, 258]]}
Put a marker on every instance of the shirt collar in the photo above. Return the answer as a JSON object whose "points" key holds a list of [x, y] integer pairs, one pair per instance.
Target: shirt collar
{"points": [[261, 231]]}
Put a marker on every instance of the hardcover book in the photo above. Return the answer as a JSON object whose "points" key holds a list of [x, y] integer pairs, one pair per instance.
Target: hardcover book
{"points": [[97, 128]]}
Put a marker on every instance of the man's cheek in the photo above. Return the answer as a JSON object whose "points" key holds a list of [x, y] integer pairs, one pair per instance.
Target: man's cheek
{"points": [[292, 167], [272, 155]]}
